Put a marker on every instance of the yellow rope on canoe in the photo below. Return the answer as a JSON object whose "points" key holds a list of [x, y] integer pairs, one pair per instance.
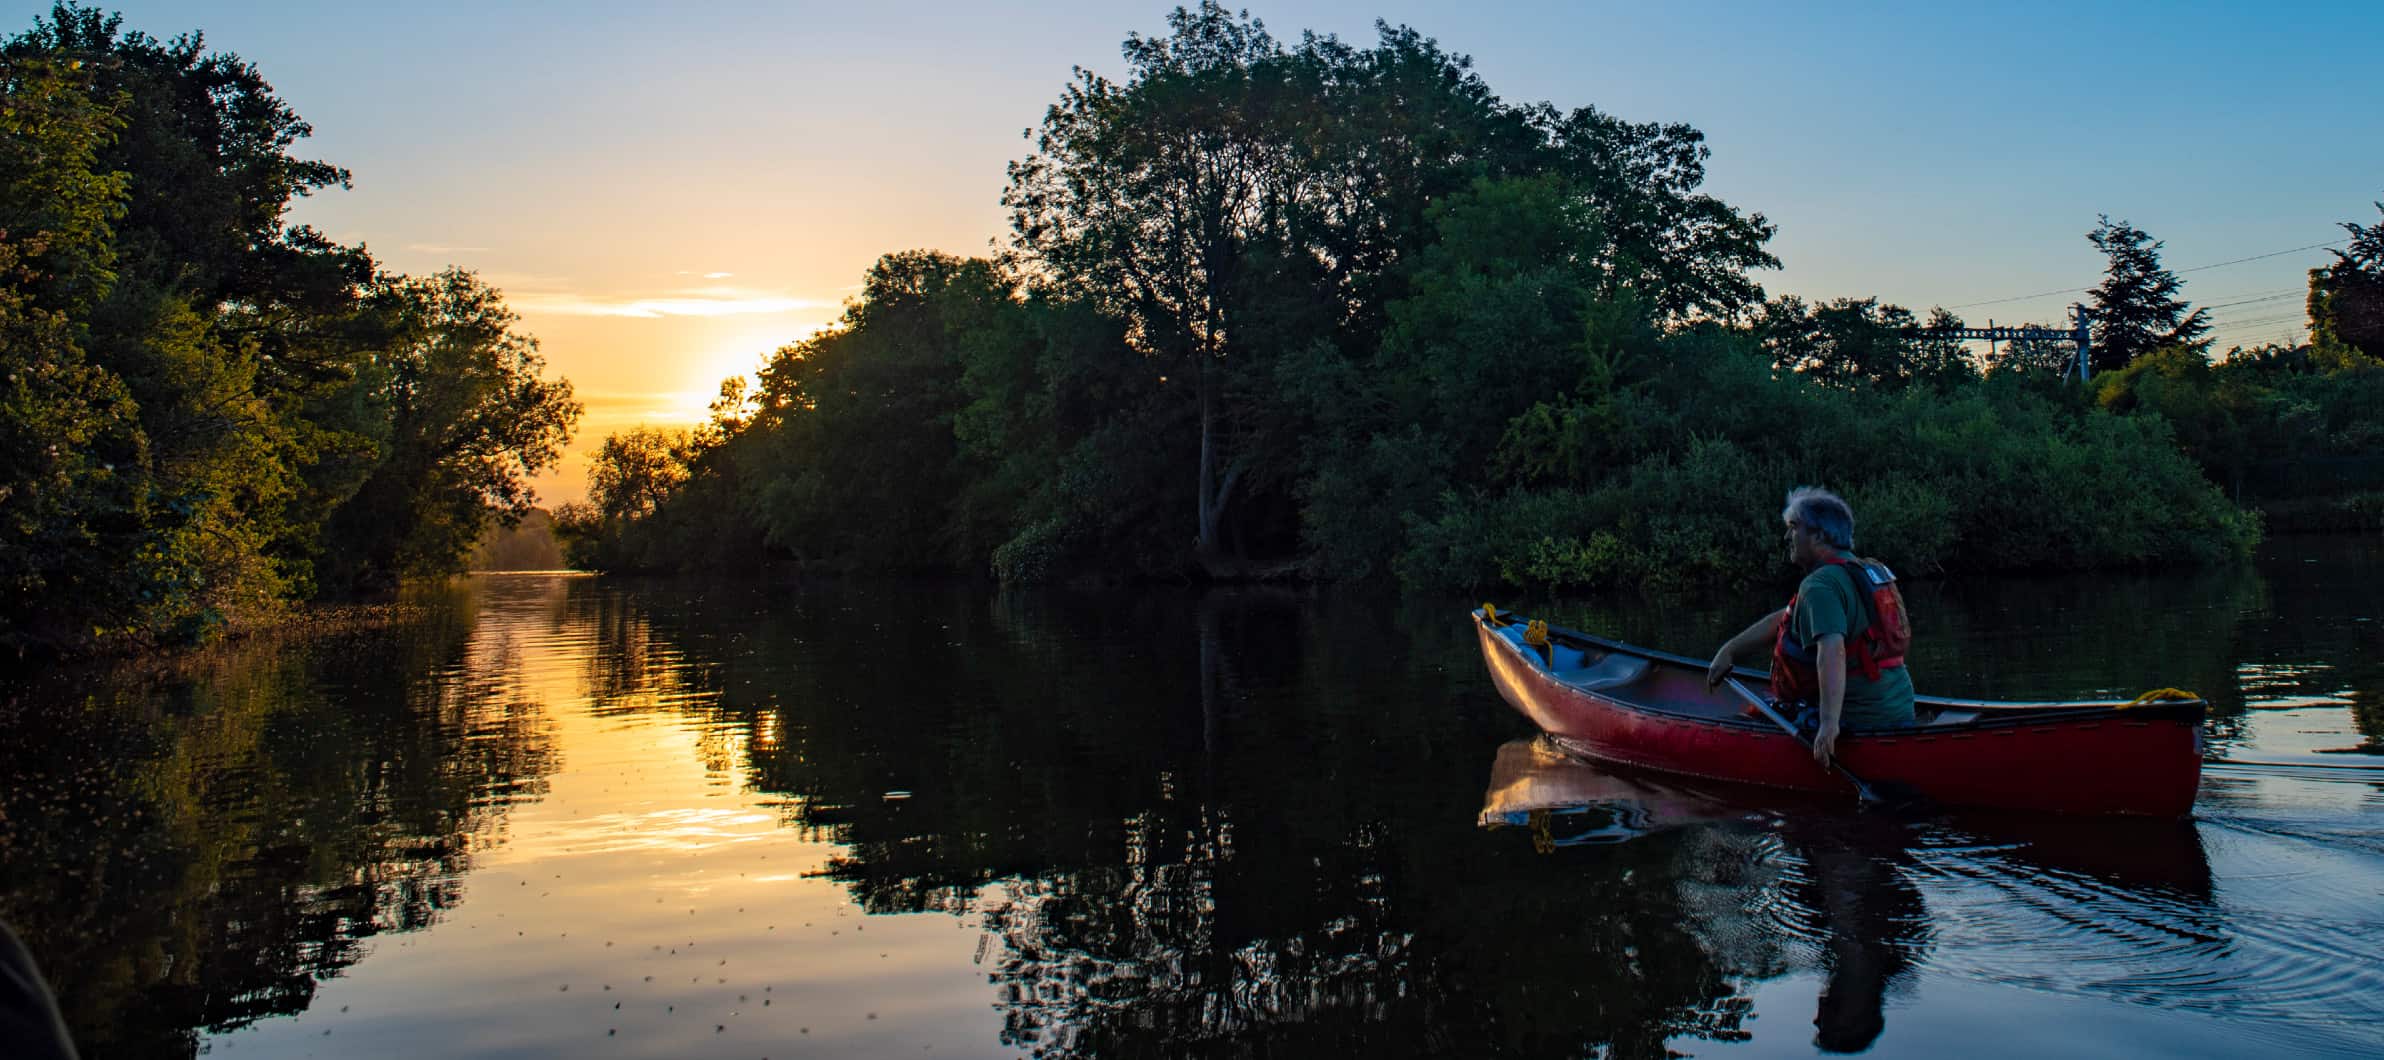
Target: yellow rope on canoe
{"points": [[2160, 695], [1536, 634], [1541, 840], [1490, 614]]}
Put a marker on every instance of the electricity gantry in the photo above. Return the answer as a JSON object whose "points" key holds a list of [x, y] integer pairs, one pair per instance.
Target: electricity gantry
{"points": [[2080, 333]]}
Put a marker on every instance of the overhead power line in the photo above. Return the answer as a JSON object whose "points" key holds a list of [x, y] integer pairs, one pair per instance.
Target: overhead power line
{"points": [[2262, 294], [2249, 333], [2233, 325], [2260, 257], [2020, 297], [2197, 268], [2255, 301]]}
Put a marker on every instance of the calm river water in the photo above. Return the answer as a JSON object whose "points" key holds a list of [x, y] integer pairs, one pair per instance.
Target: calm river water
{"points": [[569, 816]]}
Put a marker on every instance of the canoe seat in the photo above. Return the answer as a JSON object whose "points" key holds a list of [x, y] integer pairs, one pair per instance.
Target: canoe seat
{"points": [[1613, 671], [1574, 666], [1953, 717]]}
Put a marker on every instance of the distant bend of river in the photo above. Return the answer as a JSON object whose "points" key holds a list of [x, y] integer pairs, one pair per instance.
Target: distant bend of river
{"points": [[565, 815]]}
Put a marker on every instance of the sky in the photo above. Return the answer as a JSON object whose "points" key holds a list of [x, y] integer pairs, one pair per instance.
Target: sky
{"points": [[666, 193]]}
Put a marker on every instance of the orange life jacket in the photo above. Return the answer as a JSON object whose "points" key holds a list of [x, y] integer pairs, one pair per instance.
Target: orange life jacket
{"points": [[1795, 678]]}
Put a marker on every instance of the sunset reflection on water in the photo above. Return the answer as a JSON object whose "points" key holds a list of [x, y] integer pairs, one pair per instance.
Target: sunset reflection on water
{"points": [[649, 901]]}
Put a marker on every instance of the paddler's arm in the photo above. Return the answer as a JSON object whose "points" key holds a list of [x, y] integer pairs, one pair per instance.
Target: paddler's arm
{"points": [[1738, 649], [1829, 657]]}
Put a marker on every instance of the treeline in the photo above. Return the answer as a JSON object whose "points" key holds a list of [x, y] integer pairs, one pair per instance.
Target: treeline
{"points": [[207, 412], [1314, 309], [2296, 431]]}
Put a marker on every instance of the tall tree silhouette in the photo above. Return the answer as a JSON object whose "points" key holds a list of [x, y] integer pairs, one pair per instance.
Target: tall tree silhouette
{"points": [[2136, 306]]}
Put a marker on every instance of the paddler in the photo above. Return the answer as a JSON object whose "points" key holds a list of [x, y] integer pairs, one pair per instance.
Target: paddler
{"points": [[1837, 649]]}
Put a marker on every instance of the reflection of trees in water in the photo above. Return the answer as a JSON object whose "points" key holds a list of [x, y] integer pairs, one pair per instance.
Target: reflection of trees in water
{"points": [[1141, 956], [1170, 810], [2367, 712], [1185, 948], [2340, 627], [633, 668], [629, 667], [196, 849]]}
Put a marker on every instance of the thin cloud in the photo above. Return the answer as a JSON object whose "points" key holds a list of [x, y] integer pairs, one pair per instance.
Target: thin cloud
{"points": [[606, 413], [685, 302], [521, 283]]}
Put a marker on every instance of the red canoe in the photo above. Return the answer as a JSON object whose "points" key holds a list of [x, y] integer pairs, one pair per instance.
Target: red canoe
{"points": [[1650, 709]]}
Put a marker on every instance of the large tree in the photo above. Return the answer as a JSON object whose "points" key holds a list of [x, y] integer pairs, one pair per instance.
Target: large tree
{"points": [[235, 335], [2346, 299], [1238, 202], [1683, 253], [857, 421], [635, 471], [1160, 197], [463, 420], [2136, 307], [242, 411]]}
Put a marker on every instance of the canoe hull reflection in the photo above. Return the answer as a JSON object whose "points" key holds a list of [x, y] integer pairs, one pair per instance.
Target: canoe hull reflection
{"points": [[1649, 709]]}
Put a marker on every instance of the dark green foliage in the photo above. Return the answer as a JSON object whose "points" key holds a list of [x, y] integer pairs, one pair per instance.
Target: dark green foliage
{"points": [[70, 506], [2346, 299], [862, 415], [636, 470], [2297, 432], [210, 413], [1988, 476], [1239, 338], [1846, 341], [1685, 253], [1237, 203], [2224, 418], [238, 337], [461, 420], [206, 145], [2136, 308]]}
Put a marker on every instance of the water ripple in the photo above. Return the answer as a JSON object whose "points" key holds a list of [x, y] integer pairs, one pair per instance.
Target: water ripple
{"points": [[1999, 920]]}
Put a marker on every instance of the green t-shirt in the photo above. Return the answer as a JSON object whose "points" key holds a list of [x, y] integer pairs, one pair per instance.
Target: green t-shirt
{"points": [[1826, 603]]}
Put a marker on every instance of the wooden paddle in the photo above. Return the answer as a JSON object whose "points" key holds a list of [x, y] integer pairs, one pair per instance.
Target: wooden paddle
{"points": [[1870, 794]]}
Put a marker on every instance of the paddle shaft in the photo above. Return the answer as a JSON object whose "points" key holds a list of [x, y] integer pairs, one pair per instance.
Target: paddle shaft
{"points": [[1862, 789]]}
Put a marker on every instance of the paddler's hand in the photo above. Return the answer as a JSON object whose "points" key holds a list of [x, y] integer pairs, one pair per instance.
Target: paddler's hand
{"points": [[1717, 670], [1825, 745]]}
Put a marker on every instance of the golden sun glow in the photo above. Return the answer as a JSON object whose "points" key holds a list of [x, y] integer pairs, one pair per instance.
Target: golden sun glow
{"points": [[742, 354]]}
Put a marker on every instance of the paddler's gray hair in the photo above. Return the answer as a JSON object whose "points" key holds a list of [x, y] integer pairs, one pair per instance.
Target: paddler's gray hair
{"points": [[1823, 513]]}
